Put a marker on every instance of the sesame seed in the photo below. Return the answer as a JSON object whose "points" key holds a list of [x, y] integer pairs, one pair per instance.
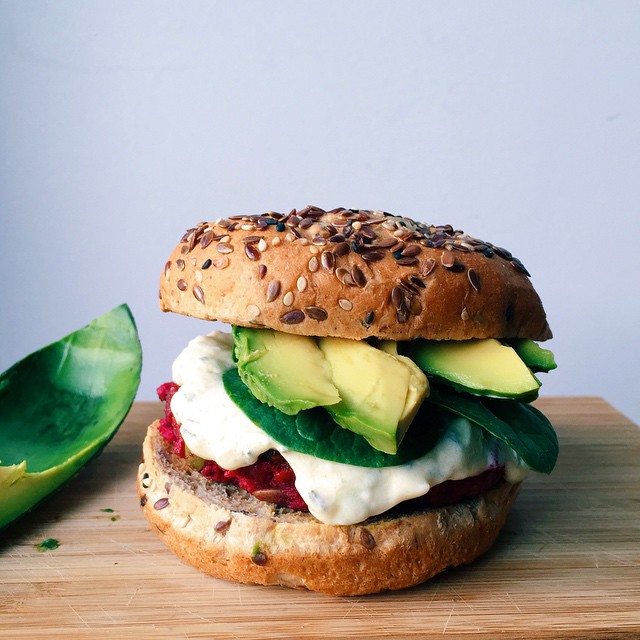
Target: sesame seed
{"points": [[465, 314], [221, 263], [316, 313], [345, 304], [345, 277], [275, 242], [222, 526], [313, 264], [474, 279], [253, 311], [295, 316], [198, 276], [273, 290], [198, 294], [358, 276], [328, 261], [262, 244], [251, 252], [247, 227], [448, 260], [407, 262], [387, 243], [412, 250], [225, 238], [162, 503], [301, 283], [427, 267], [287, 299], [366, 539], [206, 239], [372, 256], [341, 249], [397, 297], [314, 250]]}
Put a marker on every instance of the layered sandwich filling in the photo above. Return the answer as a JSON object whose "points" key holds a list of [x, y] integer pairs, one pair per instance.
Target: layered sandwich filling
{"points": [[205, 424]]}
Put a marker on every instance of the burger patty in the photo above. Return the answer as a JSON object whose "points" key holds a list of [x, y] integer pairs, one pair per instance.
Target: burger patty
{"points": [[271, 479]]}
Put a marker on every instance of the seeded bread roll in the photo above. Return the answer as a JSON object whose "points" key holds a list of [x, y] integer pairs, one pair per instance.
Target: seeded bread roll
{"points": [[229, 534], [351, 273]]}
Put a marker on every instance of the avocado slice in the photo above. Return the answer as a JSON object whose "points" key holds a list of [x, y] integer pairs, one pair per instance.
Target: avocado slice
{"points": [[533, 355], [61, 405], [482, 367], [381, 392], [285, 371]]}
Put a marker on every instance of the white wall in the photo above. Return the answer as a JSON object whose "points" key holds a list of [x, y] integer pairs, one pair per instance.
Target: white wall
{"points": [[122, 123]]}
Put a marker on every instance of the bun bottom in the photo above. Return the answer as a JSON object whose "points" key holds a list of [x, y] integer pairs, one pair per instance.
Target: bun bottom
{"points": [[227, 533]]}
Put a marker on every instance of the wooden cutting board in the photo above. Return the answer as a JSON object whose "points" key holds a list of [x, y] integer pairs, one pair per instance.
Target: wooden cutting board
{"points": [[567, 564]]}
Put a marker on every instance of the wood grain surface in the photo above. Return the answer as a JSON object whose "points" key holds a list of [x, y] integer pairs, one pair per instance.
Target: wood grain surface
{"points": [[567, 564]]}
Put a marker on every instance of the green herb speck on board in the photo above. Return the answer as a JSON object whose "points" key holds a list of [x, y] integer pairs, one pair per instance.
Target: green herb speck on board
{"points": [[47, 545]]}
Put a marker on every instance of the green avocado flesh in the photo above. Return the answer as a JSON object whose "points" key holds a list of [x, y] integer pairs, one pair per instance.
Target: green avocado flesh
{"points": [[533, 355], [61, 405], [482, 367], [380, 392], [270, 364], [315, 433]]}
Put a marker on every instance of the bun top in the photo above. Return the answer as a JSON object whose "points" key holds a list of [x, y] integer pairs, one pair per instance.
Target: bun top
{"points": [[351, 273]]}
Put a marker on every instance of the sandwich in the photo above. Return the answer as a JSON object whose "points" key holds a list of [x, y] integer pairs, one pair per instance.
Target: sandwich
{"points": [[366, 422]]}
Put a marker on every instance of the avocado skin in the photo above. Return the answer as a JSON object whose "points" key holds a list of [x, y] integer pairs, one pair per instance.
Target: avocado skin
{"points": [[533, 355]]}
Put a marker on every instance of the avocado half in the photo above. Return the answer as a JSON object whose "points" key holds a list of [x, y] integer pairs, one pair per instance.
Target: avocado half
{"points": [[61, 405]]}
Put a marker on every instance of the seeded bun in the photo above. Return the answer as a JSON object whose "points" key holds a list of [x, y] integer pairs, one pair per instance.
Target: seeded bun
{"points": [[227, 533], [350, 273]]}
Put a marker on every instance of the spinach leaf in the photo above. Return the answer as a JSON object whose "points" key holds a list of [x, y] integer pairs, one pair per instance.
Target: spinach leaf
{"points": [[314, 432], [519, 425]]}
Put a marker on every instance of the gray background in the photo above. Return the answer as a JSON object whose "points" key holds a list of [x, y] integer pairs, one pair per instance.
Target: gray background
{"points": [[123, 123]]}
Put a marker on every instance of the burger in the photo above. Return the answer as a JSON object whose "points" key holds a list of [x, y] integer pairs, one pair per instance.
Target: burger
{"points": [[366, 422]]}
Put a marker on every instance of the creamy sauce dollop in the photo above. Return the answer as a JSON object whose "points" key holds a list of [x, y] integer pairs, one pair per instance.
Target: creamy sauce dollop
{"points": [[214, 428]]}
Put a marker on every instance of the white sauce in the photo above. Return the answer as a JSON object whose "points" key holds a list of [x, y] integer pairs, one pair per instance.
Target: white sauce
{"points": [[214, 428]]}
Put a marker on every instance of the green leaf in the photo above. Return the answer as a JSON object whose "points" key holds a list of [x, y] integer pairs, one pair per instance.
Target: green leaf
{"points": [[314, 432], [61, 405], [519, 425]]}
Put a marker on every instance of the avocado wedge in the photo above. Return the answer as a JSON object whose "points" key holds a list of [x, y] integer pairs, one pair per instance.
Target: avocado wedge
{"points": [[533, 355], [480, 367], [61, 405]]}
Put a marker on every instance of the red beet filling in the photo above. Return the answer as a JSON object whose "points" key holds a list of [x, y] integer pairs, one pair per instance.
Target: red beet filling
{"points": [[271, 479]]}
